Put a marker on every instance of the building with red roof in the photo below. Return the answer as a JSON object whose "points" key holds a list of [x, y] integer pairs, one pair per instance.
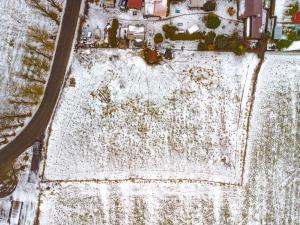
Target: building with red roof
{"points": [[134, 4], [252, 12], [296, 19]]}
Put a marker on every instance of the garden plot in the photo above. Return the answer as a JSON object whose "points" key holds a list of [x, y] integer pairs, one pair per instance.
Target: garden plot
{"points": [[269, 194], [177, 120]]}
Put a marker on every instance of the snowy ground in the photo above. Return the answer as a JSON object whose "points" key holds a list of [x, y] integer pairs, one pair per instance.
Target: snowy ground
{"points": [[26, 192], [268, 195], [175, 120], [15, 16]]}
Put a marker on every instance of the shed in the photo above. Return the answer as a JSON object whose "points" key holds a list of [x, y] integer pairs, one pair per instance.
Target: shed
{"points": [[134, 4], [196, 3], [193, 29]]}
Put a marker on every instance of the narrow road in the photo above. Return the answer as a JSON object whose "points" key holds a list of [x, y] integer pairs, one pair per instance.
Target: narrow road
{"points": [[40, 120]]}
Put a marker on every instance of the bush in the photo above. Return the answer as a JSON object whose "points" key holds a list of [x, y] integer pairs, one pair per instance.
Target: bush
{"points": [[112, 35], [222, 42], [293, 8], [213, 21], [210, 37], [170, 32], [202, 46], [231, 11], [240, 50], [169, 28], [209, 6], [158, 38], [281, 44]]}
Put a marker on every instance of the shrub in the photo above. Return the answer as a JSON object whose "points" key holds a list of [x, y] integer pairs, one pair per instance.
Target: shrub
{"points": [[202, 46], [281, 44], [293, 8], [231, 11], [209, 6], [112, 35], [158, 38], [240, 50], [213, 21], [170, 32], [210, 37], [169, 28], [222, 42]]}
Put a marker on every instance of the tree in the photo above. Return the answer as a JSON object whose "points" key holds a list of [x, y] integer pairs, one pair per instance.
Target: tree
{"points": [[158, 38], [112, 34], [281, 44], [213, 21], [46, 11], [240, 50], [209, 6], [222, 42]]}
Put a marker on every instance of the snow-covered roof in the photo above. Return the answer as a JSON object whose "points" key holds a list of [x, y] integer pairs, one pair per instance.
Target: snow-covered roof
{"points": [[193, 29], [134, 29]]}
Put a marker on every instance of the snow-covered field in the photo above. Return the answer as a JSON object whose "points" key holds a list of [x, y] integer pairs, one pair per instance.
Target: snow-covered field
{"points": [[177, 120], [25, 57], [15, 17], [269, 193]]}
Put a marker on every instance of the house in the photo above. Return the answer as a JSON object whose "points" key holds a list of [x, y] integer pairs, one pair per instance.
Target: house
{"points": [[134, 4], [252, 13], [136, 32], [296, 18], [156, 8], [196, 3]]}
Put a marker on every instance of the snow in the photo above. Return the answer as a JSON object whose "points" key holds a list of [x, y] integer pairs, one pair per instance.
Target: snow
{"points": [[26, 192], [175, 120], [15, 16], [295, 46], [268, 195]]}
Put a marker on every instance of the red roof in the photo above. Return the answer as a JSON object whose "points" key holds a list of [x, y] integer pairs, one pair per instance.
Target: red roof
{"points": [[153, 56], [253, 8], [297, 18], [134, 4]]}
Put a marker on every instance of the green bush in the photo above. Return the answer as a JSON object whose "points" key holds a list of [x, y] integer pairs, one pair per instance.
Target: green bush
{"points": [[222, 42], [240, 50], [112, 34], [158, 38], [202, 46], [169, 28], [210, 37], [209, 6], [170, 32], [293, 8], [281, 44], [213, 21]]}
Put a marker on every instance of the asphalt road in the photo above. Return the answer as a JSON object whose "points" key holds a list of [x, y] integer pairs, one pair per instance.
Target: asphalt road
{"points": [[40, 120]]}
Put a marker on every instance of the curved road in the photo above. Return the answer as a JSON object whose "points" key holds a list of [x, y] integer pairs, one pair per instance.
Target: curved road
{"points": [[40, 120]]}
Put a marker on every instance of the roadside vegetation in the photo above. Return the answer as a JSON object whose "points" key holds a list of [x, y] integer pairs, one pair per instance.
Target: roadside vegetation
{"points": [[27, 90]]}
